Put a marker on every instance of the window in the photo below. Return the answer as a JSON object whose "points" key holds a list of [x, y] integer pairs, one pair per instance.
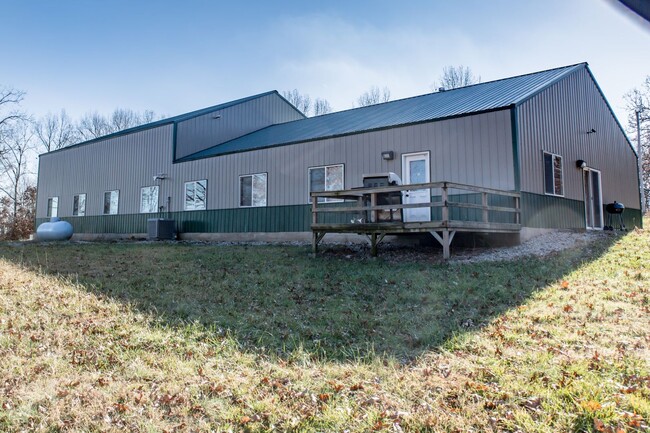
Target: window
{"points": [[79, 205], [195, 195], [52, 207], [149, 199], [326, 178], [553, 182], [252, 190], [111, 200]]}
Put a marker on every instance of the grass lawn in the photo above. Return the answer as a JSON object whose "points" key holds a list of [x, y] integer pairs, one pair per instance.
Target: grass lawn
{"points": [[174, 337]]}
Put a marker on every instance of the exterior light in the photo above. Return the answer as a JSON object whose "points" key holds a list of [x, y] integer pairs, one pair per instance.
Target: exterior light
{"points": [[388, 155], [581, 164]]}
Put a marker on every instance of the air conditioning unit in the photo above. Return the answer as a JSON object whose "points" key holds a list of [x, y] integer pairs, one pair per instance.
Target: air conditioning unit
{"points": [[160, 229]]}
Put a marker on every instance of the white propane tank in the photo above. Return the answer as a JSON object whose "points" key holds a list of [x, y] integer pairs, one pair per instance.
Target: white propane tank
{"points": [[54, 230]]}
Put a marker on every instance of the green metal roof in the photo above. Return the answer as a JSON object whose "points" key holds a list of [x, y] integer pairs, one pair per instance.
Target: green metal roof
{"points": [[473, 99]]}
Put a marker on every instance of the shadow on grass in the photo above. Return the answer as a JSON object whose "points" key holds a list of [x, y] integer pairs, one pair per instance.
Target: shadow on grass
{"points": [[340, 305]]}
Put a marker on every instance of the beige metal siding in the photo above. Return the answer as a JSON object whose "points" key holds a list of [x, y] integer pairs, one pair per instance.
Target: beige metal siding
{"points": [[125, 163], [474, 149], [557, 121], [205, 131]]}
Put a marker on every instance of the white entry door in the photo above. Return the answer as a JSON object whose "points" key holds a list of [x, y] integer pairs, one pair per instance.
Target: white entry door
{"points": [[593, 199], [415, 169]]}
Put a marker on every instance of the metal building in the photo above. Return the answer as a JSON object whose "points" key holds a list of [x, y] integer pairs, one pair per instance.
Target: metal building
{"points": [[245, 169]]}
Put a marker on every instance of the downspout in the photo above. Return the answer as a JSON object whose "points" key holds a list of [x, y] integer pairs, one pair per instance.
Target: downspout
{"points": [[514, 123], [639, 164]]}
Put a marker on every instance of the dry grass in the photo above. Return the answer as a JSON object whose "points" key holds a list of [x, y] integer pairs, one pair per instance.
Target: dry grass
{"points": [[176, 338]]}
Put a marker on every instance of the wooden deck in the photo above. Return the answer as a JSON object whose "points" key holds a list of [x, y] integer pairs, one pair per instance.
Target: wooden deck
{"points": [[362, 214]]}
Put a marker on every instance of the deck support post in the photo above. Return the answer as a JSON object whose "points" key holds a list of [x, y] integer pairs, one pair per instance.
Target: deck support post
{"points": [[518, 211], [315, 240], [445, 240]]}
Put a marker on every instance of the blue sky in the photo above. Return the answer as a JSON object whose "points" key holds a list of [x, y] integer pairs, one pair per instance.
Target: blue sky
{"points": [[176, 56]]}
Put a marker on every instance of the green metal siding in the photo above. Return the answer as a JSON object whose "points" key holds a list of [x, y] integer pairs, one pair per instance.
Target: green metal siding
{"points": [[632, 218], [259, 219], [539, 211], [464, 214], [544, 211]]}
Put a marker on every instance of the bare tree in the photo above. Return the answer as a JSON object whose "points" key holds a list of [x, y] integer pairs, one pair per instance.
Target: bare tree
{"points": [[638, 101], [55, 131], [374, 96], [92, 125], [18, 144], [454, 77], [298, 100], [321, 106], [9, 109]]}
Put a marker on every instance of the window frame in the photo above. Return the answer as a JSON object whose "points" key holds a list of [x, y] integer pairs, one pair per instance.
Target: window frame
{"points": [[75, 200], [205, 201], [266, 189], [553, 156], [157, 195], [326, 166], [51, 207], [117, 207]]}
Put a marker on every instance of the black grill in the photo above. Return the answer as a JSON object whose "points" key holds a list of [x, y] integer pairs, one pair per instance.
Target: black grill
{"points": [[615, 213]]}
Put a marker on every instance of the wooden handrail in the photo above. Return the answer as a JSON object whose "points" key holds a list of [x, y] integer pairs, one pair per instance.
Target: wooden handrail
{"points": [[359, 192], [373, 208]]}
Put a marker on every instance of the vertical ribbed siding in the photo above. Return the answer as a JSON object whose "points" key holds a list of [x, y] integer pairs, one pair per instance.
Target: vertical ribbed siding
{"points": [[543, 211], [557, 120], [262, 219], [124, 163], [205, 131], [474, 149]]}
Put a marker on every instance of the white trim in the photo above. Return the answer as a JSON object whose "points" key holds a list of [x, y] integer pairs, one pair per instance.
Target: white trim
{"points": [[52, 210], [84, 209], [266, 189], [553, 155], [205, 202], [427, 159], [328, 200], [117, 208], [156, 209], [600, 198]]}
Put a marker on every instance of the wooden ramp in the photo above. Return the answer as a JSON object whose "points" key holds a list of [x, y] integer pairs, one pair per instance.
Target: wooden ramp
{"points": [[461, 208]]}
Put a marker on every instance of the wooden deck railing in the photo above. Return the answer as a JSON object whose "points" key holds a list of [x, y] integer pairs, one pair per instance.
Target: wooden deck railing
{"points": [[364, 202]]}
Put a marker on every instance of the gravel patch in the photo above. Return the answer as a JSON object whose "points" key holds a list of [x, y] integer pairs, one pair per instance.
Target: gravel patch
{"points": [[538, 246]]}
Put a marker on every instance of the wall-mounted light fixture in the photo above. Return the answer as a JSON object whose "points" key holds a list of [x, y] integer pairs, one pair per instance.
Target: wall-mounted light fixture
{"points": [[387, 155], [581, 164], [160, 176], [216, 116], [591, 131]]}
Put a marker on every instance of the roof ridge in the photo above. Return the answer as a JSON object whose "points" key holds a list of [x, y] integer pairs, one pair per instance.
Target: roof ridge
{"points": [[446, 91]]}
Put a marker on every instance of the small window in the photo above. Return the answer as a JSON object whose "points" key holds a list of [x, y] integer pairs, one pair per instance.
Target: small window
{"points": [[326, 178], [553, 181], [111, 201], [195, 195], [252, 190], [52, 207], [149, 199], [79, 205]]}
